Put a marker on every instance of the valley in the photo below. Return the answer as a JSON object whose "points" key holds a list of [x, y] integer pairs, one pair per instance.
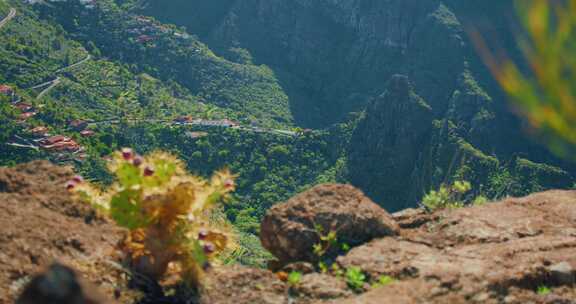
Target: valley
{"points": [[360, 149]]}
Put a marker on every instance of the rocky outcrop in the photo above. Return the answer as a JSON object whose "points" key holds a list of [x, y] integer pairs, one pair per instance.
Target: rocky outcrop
{"points": [[60, 284], [500, 252], [41, 223], [289, 230]]}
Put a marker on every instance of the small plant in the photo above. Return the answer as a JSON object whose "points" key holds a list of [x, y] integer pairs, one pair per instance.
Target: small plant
{"points": [[174, 225], [383, 280], [327, 241], [294, 278], [543, 290], [446, 196], [355, 278], [480, 200]]}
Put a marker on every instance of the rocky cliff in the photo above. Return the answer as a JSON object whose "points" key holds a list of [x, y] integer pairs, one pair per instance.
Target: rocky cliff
{"points": [[519, 250], [331, 56]]}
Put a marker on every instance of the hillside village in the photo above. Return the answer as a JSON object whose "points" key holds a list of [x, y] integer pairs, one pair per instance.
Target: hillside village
{"points": [[60, 147]]}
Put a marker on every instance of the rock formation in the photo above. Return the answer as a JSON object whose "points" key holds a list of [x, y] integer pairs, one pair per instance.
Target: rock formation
{"points": [[289, 230]]}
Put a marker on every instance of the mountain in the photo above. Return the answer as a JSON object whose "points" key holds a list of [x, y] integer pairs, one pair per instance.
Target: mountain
{"points": [[449, 121]]}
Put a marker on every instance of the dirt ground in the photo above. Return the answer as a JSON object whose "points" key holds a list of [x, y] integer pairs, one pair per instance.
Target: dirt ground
{"points": [[41, 224]]}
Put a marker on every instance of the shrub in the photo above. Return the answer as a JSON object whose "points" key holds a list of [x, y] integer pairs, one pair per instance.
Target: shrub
{"points": [[543, 290], [355, 278], [174, 225], [446, 196]]}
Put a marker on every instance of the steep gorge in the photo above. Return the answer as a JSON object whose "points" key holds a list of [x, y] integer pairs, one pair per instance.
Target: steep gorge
{"points": [[444, 119]]}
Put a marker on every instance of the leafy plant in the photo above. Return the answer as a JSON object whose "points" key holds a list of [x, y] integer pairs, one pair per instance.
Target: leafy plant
{"points": [[446, 196], [480, 200], [383, 280], [327, 241], [355, 278], [546, 93], [543, 290], [172, 217], [294, 278]]}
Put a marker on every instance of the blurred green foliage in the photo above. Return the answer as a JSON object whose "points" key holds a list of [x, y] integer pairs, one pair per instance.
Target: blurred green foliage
{"points": [[545, 92]]}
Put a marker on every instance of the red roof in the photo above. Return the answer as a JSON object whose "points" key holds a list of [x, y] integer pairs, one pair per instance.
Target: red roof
{"points": [[4, 89], [87, 133], [183, 119], [24, 106], [63, 146], [39, 130], [77, 123], [27, 115], [54, 139]]}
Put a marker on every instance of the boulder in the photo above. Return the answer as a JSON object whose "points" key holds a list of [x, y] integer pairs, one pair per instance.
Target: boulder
{"points": [[60, 284], [289, 229]]}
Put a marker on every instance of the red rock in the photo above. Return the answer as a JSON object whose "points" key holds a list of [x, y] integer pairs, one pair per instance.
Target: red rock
{"points": [[288, 229]]}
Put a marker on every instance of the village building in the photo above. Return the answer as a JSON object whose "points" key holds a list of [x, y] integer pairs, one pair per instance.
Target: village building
{"points": [[40, 131], [195, 135], [144, 39], [183, 119], [63, 146], [87, 133], [143, 19], [27, 115], [54, 139], [24, 107], [6, 90], [78, 124], [229, 123]]}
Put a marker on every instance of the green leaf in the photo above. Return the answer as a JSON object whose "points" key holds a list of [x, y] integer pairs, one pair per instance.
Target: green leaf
{"points": [[323, 267], [198, 254], [345, 247], [128, 175], [355, 278], [543, 290], [164, 170], [125, 211]]}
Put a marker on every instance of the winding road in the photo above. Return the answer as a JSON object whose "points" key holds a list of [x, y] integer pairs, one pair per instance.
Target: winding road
{"points": [[11, 14], [74, 65], [52, 83]]}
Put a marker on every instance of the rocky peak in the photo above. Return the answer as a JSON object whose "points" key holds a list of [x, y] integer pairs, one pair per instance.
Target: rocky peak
{"points": [[381, 153]]}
